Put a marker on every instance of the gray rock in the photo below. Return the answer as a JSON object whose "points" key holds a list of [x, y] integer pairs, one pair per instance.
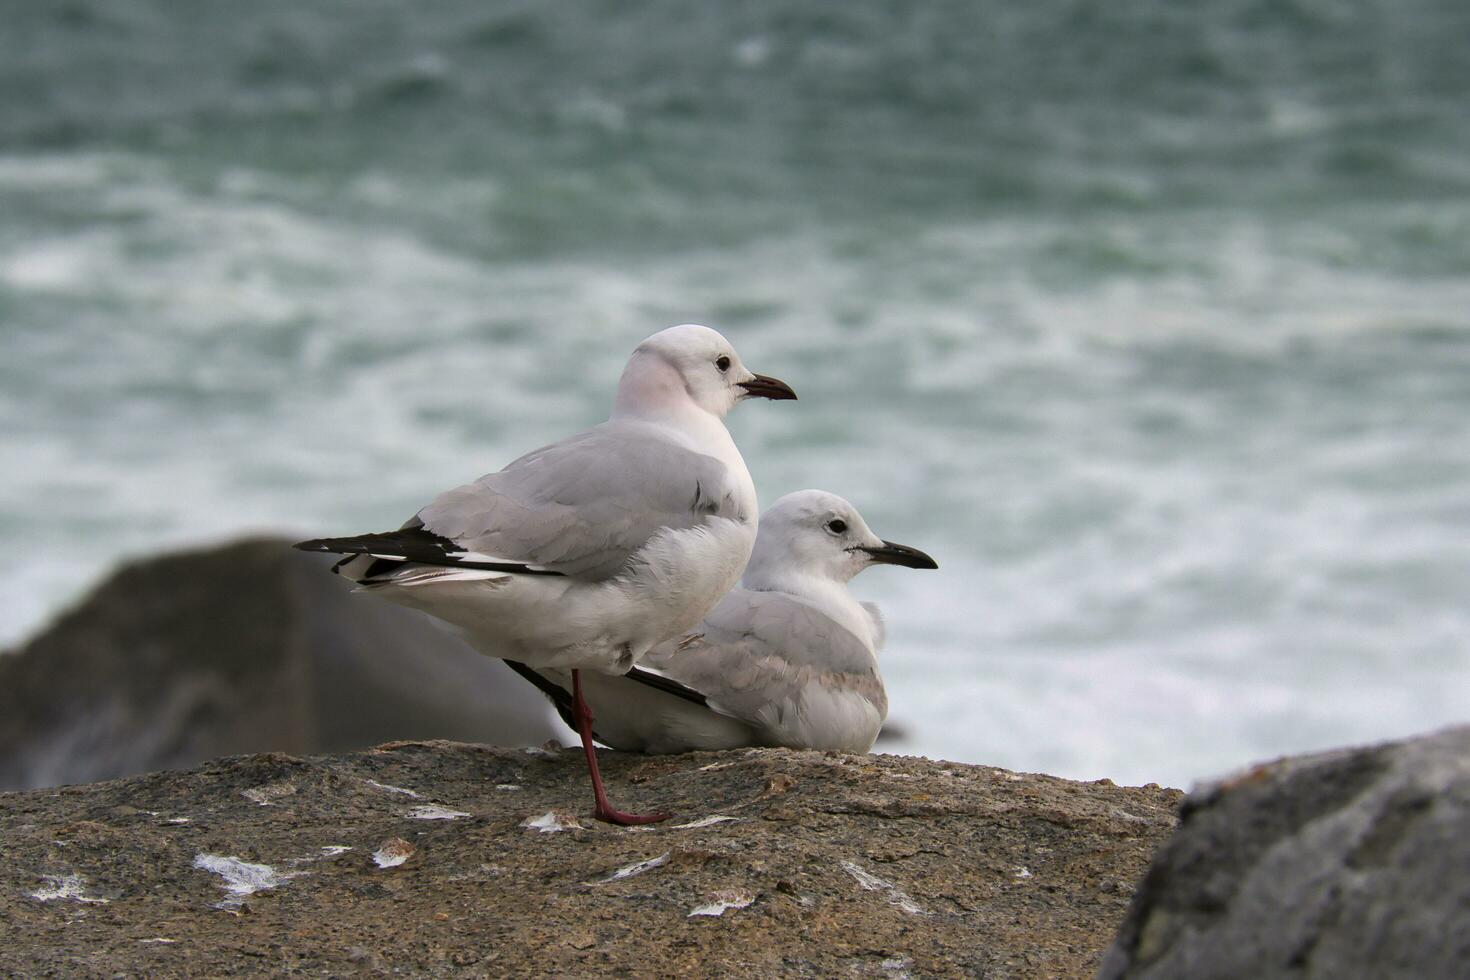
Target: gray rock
{"points": [[1348, 864], [777, 863], [243, 648]]}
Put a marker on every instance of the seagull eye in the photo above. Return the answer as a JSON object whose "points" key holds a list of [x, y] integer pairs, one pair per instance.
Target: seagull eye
{"points": [[838, 526], [723, 363]]}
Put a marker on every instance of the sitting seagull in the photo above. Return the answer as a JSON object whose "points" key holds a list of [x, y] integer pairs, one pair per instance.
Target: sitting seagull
{"points": [[788, 658], [587, 553]]}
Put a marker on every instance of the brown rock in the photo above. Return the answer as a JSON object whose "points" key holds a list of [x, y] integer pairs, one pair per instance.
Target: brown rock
{"points": [[869, 865]]}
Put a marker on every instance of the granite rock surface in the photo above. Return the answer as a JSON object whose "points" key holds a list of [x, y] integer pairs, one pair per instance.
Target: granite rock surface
{"points": [[451, 859], [1354, 863]]}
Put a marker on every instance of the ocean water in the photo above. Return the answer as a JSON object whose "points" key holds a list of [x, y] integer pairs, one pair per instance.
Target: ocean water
{"points": [[1150, 322]]}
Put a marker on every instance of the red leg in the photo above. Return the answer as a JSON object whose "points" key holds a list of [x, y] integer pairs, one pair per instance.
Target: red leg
{"points": [[604, 810]]}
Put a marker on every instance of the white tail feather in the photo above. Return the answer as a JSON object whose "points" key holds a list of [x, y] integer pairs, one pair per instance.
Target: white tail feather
{"points": [[432, 574]]}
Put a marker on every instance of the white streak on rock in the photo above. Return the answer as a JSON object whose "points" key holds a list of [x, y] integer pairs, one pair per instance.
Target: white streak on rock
{"points": [[552, 822], [434, 811], [393, 852], [322, 854], [1023, 873], [898, 967], [507, 786], [178, 820], [159, 941], [482, 873], [72, 888], [719, 902], [896, 896], [267, 795], [704, 822], [241, 878], [392, 789], [637, 869]]}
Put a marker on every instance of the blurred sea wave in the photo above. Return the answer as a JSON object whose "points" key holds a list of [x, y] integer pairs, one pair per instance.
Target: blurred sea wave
{"points": [[1150, 322]]}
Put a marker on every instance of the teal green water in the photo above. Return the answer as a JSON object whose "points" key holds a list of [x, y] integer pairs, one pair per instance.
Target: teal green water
{"points": [[1151, 322]]}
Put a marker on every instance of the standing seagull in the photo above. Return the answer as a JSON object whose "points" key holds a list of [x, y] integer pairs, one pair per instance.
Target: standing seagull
{"points": [[788, 658], [587, 553]]}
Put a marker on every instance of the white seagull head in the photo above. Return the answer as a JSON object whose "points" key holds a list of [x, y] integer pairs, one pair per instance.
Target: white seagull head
{"points": [[813, 533], [690, 363]]}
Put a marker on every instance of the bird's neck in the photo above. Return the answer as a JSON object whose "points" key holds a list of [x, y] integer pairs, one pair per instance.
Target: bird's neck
{"points": [[652, 392]]}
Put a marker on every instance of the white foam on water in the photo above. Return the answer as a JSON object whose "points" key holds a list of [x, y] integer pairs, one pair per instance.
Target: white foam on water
{"points": [[1202, 492]]}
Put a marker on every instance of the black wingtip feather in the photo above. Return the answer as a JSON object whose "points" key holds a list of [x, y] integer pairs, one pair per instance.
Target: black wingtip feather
{"points": [[414, 544], [669, 686], [562, 698]]}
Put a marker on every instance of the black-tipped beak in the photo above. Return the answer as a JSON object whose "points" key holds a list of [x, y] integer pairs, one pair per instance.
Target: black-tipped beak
{"points": [[762, 386], [899, 554]]}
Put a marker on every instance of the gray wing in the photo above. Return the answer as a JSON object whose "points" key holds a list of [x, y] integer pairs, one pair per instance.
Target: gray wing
{"points": [[585, 505], [760, 651]]}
